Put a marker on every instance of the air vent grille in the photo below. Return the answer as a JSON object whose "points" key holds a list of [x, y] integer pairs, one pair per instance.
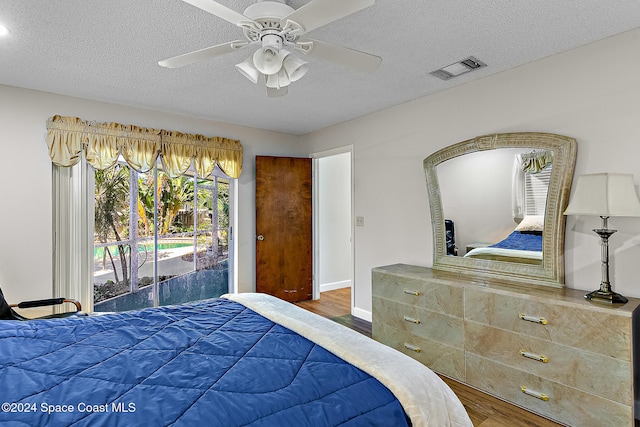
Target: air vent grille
{"points": [[442, 74], [458, 68]]}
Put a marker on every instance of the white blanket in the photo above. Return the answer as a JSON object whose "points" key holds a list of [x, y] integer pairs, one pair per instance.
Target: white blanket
{"points": [[426, 399], [518, 253]]}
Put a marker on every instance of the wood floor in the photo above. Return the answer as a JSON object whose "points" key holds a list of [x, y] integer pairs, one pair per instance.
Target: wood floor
{"points": [[484, 410]]}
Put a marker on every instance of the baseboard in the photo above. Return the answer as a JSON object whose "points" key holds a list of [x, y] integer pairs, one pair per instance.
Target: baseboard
{"points": [[335, 285], [361, 314]]}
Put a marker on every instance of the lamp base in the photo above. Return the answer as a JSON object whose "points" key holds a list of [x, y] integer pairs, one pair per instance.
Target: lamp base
{"points": [[606, 297]]}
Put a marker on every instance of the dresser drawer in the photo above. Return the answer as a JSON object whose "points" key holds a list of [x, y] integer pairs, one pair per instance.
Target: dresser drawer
{"points": [[420, 322], [600, 375], [425, 293], [598, 330], [441, 358], [566, 404]]}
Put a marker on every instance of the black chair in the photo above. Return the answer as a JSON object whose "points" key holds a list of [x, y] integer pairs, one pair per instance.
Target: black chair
{"points": [[7, 312], [450, 235]]}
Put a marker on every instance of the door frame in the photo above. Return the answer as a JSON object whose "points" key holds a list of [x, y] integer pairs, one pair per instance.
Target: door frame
{"points": [[316, 225]]}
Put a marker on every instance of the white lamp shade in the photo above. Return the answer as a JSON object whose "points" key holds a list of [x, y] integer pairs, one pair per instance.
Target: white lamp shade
{"points": [[247, 69], [268, 59], [275, 93], [295, 67], [604, 194], [278, 80]]}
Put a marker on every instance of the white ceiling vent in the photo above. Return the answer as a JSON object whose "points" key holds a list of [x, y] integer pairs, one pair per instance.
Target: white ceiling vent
{"points": [[458, 68]]}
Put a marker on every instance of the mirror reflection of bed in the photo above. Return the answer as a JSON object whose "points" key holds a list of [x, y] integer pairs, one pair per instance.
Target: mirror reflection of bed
{"points": [[496, 202]]}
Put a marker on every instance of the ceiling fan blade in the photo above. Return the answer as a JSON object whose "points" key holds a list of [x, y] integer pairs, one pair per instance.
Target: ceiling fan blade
{"points": [[341, 55], [219, 10], [321, 12], [199, 55]]}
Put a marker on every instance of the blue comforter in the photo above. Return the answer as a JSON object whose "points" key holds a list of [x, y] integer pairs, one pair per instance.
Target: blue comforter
{"points": [[214, 363], [521, 241]]}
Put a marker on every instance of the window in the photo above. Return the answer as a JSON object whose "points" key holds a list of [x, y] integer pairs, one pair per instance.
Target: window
{"points": [[74, 144], [530, 183], [158, 240], [535, 191]]}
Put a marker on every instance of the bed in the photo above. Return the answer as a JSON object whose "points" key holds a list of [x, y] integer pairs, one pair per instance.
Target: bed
{"points": [[243, 359], [522, 245], [525, 248]]}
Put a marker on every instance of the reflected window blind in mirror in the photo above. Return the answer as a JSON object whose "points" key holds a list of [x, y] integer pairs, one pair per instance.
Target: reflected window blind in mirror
{"points": [[535, 191]]}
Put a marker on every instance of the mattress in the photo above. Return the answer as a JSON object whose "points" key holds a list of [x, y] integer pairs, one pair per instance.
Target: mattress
{"points": [[216, 362]]}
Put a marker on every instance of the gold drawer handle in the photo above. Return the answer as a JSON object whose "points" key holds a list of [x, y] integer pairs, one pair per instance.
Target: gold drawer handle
{"points": [[534, 319], [536, 394], [538, 357], [412, 320], [412, 347], [412, 292]]}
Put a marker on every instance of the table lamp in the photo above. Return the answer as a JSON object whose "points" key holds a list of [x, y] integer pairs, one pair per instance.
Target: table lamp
{"points": [[604, 195]]}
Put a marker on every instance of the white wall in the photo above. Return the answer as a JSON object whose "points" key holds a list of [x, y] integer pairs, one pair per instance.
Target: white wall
{"points": [[590, 93], [25, 214], [334, 222]]}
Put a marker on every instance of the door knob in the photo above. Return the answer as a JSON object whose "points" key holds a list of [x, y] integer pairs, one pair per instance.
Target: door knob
{"points": [[260, 237]]}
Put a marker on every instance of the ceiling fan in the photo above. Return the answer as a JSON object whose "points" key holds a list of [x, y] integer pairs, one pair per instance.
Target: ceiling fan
{"points": [[276, 26]]}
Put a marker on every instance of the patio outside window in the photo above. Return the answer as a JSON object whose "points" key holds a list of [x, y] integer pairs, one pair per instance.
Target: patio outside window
{"points": [[157, 240]]}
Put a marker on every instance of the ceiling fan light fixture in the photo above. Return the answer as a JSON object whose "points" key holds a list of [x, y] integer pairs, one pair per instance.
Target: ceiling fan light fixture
{"points": [[275, 93], [295, 67], [278, 80], [247, 69], [268, 59]]}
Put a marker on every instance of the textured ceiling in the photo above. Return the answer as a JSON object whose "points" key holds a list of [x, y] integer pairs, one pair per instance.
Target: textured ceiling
{"points": [[108, 51]]}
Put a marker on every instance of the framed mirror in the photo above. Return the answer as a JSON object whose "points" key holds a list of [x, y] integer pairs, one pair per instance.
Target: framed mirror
{"points": [[496, 206]]}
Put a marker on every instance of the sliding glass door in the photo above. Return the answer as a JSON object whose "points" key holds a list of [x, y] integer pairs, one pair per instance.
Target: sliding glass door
{"points": [[159, 240]]}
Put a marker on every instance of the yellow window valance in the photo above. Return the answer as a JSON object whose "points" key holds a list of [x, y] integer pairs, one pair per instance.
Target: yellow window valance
{"points": [[102, 143], [536, 161]]}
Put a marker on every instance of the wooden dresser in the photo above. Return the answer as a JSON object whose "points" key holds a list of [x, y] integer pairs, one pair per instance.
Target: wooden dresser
{"points": [[549, 351]]}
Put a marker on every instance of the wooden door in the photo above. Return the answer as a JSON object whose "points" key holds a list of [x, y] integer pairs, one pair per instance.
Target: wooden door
{"points": [[284, 250]]}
